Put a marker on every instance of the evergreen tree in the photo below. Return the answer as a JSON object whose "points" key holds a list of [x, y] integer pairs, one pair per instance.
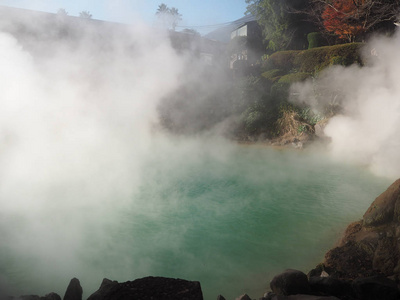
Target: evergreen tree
{"points": [[283, 22], [62, 12], [85, 14], [169, 17]]}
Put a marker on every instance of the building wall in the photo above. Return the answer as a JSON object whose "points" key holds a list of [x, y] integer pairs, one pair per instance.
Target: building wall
{"points": [[241, 31]]}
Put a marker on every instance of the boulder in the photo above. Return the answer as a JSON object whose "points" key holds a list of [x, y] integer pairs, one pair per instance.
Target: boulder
{"points": [[352, 260], [290, 282], [376, 288], [385, 208], [51, 296], [74, 290], [244, 297], [330, 286], [370, 247], [105, 288], [149, 288], [272, 296], [28, 297]]}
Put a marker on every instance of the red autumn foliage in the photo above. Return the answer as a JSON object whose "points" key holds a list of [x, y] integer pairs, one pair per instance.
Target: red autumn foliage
{"points": [[342, 18]]}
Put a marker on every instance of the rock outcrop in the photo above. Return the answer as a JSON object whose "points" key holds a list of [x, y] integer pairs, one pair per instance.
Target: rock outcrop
{"points": [[156, 288], [365, 264], [74, 290], [290, 282], [149, 288], [50, 296], [371, 246]]}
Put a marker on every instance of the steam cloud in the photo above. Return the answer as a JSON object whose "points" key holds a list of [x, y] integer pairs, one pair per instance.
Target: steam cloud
{"points": [[366, 131], [79, 139], [77, 121]]}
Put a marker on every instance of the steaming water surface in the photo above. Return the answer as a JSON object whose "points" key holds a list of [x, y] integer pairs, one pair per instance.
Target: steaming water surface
{"points": [[230, 219]]}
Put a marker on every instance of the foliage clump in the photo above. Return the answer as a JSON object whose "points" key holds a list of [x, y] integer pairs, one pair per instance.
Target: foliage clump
{"points": [[282, 60], [270, 113], [315, 39], [273, 75], [316, 59]]}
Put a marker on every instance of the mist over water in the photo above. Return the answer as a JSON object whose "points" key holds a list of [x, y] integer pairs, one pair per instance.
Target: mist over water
{"points": [[90, 187], [231, 221]]}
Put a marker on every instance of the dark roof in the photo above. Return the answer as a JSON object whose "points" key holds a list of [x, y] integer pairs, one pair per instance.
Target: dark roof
{"points": [[223, 34]]}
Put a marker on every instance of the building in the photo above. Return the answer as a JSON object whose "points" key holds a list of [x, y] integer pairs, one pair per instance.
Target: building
{"points": [[246, 44]]}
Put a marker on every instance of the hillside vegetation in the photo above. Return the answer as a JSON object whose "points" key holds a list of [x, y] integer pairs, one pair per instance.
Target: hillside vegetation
{"points": [[269, 114]]}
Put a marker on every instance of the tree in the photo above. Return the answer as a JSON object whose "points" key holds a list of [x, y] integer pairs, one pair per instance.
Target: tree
{"points": [[341, 18], [162, 9], [85, 14], [175, 17], [283, 22], [354, 19], [169, 17], [62, 12]]}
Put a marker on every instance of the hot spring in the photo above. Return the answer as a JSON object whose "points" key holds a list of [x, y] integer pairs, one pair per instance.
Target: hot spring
{"points": [[230, 219], [91, 188]]}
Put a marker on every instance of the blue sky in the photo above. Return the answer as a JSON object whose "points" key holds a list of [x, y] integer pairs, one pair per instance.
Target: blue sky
{"points": [[194, 12]]}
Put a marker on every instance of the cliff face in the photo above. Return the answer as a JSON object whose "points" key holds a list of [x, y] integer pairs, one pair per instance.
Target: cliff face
{"points": [[371, 246]]}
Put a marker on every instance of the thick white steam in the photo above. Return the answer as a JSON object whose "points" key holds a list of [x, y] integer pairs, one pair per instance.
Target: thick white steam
{"points": [[76, 124], [366, 131]]}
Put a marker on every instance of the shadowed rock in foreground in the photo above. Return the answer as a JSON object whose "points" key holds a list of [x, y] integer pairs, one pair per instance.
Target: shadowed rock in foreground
{"points": [[371, 246], [74, 290], [149, 288], [365, 265]]}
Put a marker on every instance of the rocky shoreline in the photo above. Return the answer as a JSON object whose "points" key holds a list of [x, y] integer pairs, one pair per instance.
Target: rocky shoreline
{"points": [[364, 265]]}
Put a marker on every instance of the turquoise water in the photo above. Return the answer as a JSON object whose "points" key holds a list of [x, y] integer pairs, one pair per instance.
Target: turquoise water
{"points": [[230, 219]]}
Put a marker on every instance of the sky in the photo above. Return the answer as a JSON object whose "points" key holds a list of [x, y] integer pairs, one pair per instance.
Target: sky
{"points": [[198, 15]]}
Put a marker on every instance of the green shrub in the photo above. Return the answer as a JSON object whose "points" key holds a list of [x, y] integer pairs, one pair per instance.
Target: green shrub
{"points": [[316, 59], [309, 116], [282, 60], [273, 75], [260, 117], [294, 77], [337, 60], [280, 89], [315, 39]]}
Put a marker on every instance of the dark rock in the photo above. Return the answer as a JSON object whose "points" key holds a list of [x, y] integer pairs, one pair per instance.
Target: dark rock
{"points": [[220, 297], [74, 290], [105, 288], [370, 247], [290, 282], [376, 288], [51, 296], [331, 286], [385, 208], [384, 258], [351, 261], [244, 297], [298, 297], [29, 297], [149, 288], [320, 271]]}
